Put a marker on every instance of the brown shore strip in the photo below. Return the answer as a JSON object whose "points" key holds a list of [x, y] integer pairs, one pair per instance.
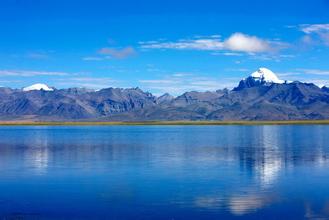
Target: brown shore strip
{"points": [[82, 123]]}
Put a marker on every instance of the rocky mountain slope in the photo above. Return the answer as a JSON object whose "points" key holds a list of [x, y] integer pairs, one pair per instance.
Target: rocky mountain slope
{"points": [[261, 96]]}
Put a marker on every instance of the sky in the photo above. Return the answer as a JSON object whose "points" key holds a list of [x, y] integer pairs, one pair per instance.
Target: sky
{"points": [[161, 46]]}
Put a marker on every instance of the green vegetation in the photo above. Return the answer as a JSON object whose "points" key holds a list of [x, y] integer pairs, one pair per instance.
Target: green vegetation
{"points": [[73, 123]]}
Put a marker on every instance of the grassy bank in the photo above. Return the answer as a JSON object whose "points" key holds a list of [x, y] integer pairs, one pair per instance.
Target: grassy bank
{"points": [[299, 122]]}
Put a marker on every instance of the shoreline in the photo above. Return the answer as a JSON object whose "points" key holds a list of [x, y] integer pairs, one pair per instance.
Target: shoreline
{"points": [[109, 123]]}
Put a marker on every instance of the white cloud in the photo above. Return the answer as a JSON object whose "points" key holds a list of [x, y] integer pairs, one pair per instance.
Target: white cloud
{"points": [[28, 73], [158, 81], [287, 74], [272, 57], [304, 72], [87, 82], [315, 71], [178, 83], [314, 28], [37, 55], [316, 31], [182, 74], [237, 42], [198, 44], [318, 77], [92, 58], [117, 53], [246, 43], [238, 70], [228, 54]]}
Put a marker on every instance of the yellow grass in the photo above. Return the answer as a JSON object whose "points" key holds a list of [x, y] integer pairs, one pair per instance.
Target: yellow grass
{"points": [[73, 123]]}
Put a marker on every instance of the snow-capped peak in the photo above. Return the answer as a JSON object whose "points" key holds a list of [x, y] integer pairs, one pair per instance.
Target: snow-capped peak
{"points": [[266, 75], [38, 86]]}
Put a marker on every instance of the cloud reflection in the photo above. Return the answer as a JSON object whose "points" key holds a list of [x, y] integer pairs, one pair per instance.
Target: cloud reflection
{"points": [[270, 164], [36, 155], [243, 204]]}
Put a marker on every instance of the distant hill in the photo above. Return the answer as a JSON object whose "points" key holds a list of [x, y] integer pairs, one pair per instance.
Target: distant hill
{"points": [[261, 96]]}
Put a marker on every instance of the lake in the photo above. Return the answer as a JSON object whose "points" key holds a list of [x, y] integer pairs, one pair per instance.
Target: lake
{"points": [[164, 172]]}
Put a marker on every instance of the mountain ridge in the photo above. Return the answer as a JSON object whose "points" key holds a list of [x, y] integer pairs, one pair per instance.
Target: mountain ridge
{"points": [[261, 96]]}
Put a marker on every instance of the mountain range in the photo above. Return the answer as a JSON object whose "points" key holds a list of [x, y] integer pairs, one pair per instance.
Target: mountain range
{"points": [[260, 96]]}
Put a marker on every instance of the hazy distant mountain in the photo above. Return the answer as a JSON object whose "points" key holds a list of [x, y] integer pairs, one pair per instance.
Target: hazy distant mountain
{"points": [[261, 96]]}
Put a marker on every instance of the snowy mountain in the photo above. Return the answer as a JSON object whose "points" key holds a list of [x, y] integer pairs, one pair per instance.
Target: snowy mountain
{"points": [[265, 75], [37, 86], [262, 76]]}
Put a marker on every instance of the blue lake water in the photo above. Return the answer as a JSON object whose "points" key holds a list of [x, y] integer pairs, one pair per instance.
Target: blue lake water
{"points": [[164, 172]]}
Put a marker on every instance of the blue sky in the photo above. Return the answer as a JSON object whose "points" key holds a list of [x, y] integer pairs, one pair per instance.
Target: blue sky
{"points": [[161, 46]]}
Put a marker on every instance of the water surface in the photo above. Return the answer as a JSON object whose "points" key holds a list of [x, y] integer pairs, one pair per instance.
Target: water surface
{"points": [[164, 172]]}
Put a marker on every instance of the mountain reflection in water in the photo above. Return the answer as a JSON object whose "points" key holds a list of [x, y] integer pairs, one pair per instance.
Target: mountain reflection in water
{"points": [[164, 172]]}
